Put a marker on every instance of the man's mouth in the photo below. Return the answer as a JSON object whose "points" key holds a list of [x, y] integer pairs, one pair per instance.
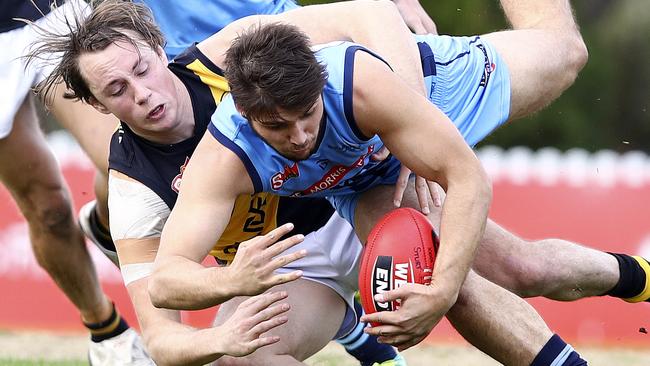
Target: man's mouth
{"points": [[157, 112]]}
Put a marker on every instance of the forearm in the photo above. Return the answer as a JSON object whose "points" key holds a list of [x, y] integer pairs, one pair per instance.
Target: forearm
{"points": [[179, 344], [180, 283], [530, 14], [463, 219], [167, 340], [397, 46]]}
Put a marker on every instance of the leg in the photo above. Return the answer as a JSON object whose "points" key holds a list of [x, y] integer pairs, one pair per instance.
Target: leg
{"points": [[544, 52], [93, 131], [315, 316], [38, 188], [553, 268], [512, 336], [505, 327]]}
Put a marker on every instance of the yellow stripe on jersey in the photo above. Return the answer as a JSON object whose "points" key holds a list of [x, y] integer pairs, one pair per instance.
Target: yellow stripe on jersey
{"points": [[252, 215], [217, 83]]}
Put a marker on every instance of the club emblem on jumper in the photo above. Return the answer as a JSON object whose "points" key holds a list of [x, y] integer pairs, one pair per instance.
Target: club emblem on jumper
{"points": [[278, 179], [176, 182]]}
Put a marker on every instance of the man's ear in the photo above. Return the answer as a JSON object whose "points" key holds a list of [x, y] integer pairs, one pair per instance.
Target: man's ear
{"points": [[98, 106]]}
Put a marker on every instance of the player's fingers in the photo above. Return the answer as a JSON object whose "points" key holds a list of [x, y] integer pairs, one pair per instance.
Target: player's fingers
{"points": [[435, 193], [255, 304], [275, 234], [427, 23], [400, 185], [382, 317], [270, 312], [262, 342], [285, 277], [422, 191], [380, 155], [282, 261], [283, 245], [266, 325], [415, 24], [399, 293], [383, 330]]}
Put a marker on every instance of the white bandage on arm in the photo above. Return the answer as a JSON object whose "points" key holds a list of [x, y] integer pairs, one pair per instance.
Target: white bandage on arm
{"points": [[135, 271], [135, 211], [137, 217]]}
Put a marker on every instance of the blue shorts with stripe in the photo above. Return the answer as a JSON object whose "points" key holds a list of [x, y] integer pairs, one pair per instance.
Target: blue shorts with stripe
{"points": [[468, 81]]}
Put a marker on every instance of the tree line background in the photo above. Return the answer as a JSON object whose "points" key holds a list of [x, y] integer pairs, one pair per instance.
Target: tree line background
{"points": [[608, 107]]}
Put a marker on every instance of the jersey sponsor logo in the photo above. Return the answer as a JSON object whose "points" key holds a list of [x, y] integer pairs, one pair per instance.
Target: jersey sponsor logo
{"points": [[388, 275], [279, 178], [176, 182], [333, 176]]}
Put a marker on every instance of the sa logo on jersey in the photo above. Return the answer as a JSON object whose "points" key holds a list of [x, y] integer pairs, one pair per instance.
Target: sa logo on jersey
{"points": [[278, 179]]}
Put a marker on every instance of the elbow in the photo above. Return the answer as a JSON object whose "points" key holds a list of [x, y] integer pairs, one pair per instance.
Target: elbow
{"points": [[576, 56], [156, 291], [151, 346], [483, 188]]}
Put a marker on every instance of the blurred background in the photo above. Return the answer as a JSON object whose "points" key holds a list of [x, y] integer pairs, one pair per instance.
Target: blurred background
{"points": [[579, 170]]}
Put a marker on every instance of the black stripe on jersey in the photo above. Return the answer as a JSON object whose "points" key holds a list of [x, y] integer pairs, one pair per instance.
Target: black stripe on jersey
{"points": [[427, 58], [232, 146], [348, 81]]}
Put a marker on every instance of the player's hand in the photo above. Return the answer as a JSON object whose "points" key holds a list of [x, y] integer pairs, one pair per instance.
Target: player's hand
{"points": [[415, 17], [241, 333], [424, 189], [421, 309], [252, 271]]}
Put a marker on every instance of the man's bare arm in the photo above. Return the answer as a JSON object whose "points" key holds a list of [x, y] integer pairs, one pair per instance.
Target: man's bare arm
{"points": [[373, 24], [426, 140], [201, 213]]}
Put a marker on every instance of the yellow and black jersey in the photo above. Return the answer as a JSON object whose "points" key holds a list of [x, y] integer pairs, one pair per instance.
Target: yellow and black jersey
{"points": [[160, 167]]}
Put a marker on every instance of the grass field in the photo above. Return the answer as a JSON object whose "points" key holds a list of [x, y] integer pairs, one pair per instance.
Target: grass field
{"points": [[28, 349]]}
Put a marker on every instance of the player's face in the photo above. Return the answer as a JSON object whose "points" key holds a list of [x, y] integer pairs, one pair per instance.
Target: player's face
{"points": [[135, 85], [295, 134]]}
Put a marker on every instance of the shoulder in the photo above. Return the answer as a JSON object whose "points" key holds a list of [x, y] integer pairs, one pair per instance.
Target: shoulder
{"points": [[136, 212]]}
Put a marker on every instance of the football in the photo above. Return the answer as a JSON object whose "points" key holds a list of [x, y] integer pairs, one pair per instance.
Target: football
{"points": [[401, 249]]}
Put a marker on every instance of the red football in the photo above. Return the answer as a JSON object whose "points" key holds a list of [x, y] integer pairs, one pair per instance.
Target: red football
{"points": [[400, 249]]}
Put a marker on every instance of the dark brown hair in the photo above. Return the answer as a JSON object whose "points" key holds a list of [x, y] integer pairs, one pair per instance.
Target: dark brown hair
{"points": [[270, 67], [109, 22]]}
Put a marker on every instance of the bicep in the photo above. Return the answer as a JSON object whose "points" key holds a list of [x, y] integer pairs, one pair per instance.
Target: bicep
{"points": [[411, 126]]}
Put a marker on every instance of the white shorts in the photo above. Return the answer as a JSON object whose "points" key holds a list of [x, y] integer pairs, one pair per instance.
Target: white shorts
{"points": [[333, 258], [16, 80]]}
